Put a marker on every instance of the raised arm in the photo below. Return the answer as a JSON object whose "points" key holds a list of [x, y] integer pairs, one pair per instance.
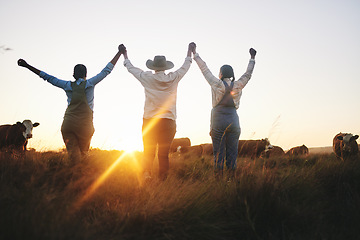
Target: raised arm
{"points": [[244, 79], [23, 63], [136, 72], [210, 78], [179, 74], [51, 79], [106, 71]]}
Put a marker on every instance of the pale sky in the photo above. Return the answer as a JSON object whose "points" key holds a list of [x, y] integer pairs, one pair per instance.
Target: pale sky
{"points": [[305, 86]]}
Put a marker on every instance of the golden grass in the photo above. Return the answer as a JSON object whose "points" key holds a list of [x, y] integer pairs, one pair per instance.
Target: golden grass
{"points": [[45, 197]]}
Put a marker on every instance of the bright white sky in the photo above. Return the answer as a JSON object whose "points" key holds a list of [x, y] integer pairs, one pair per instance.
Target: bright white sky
{"points": [[305, 86]]}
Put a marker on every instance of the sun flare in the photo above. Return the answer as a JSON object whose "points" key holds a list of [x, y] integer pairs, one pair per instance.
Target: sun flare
{"points": [[101, 179], [132, 143]]}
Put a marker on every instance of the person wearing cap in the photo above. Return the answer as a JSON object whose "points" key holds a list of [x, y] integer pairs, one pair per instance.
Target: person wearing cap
{"points": [[159, 119], [77, 128], [224, 124]]}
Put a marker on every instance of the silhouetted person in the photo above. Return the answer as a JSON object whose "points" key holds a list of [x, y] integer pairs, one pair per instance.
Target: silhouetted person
{"points": [[159, 119], [225, 127], [77, 128]]}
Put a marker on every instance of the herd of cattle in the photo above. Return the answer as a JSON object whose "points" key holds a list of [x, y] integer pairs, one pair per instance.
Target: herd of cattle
{"points": [[344, 147], [15, 137], [246, 148]]}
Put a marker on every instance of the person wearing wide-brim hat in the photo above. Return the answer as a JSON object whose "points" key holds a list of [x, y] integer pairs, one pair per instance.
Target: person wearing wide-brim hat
{"points": [[159, 119], [159, 64]]}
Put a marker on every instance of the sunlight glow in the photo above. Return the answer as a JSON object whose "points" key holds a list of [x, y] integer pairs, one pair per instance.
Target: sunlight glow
{"points": [[130, 144], [90, 191]]}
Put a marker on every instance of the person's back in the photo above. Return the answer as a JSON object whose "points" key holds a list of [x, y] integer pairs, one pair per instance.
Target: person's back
{"points": [[77, 128], [159, 119], [224, 125]]}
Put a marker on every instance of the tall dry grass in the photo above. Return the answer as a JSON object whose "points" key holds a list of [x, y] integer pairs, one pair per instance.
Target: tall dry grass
{"points": [[43, 196]]}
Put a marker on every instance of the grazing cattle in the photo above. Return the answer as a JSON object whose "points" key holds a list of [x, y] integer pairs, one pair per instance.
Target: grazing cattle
{"points": [[253, 148], [15, 137], [207, 149], [299, 150], [345, 146], [275, 151], [196, 150], [177, 143]]}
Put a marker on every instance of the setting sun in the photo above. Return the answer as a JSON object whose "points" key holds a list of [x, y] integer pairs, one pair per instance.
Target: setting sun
{"points": [[131, 104], [129, 144], [302, 97]]}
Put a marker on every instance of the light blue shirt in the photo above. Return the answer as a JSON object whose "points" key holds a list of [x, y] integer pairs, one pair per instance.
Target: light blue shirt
{"points": [[89, 87]]}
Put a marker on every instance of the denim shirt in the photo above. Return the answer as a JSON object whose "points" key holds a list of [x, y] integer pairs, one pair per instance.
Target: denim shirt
{"points": [[89, 88]]}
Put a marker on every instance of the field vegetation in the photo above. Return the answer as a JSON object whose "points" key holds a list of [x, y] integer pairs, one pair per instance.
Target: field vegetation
{"points": [[43, 196]]}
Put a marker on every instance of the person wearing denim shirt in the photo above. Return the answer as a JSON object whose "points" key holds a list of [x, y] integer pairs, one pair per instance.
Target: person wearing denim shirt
{"points": [[77, 128]]}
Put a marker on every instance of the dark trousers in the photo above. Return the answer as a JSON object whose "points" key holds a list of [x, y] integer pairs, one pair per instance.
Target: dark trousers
{"points": [[157, 132]]}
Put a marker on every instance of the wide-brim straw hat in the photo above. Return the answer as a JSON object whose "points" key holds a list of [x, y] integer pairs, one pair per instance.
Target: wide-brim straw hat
{"points": [[159, 64]]}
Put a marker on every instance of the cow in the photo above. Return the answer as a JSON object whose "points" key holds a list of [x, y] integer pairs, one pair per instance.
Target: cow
{"points": [[299, 150], [253, 148], [196, 150], [275, 151], [15, 137], [177, 143], [345, 146], [207, 149]]}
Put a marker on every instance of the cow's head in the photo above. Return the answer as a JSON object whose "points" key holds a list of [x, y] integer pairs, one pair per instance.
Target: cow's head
{"points": [[304, 149], [268, 146], [28, 128], [347, 140]]}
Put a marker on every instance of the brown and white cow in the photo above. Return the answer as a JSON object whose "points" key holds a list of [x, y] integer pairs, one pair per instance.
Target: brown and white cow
{"points": [[15, 136], [345, 146], [195, 150], [253, 148], [275, 151], [177, 143], [299, 150]]}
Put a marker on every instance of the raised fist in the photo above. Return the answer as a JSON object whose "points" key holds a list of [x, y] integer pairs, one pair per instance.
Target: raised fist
{"points": [[252, 52], [22, 63]]}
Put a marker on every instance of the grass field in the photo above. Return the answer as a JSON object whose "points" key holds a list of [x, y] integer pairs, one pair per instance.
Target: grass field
{"points": [[45, 197]]}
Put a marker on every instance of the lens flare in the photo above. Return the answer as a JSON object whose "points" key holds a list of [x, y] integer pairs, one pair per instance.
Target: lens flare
{"points": [[164, 108], [93, 187]]}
